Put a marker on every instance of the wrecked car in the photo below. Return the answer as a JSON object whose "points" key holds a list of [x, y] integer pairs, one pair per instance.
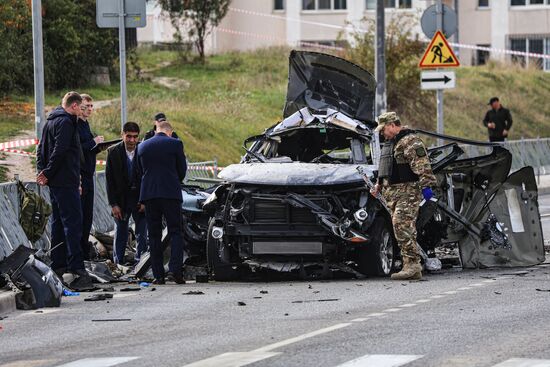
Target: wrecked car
{"points": [[299, 201]]}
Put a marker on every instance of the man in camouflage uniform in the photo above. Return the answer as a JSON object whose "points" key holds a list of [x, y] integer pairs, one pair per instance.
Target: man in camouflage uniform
{"points": [[405, 177]]}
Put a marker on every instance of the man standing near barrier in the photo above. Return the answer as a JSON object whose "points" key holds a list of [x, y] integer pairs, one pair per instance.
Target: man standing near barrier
{"points": [[123, 194], [498, 121], [58, 163], [161, 168], [88, 143], [405, 177]]}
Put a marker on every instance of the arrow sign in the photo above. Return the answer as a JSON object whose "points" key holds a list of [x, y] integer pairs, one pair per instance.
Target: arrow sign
{"points": [[437, 80]]}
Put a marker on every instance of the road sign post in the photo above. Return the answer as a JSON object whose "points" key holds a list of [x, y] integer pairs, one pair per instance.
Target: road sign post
{"points": [[121, 14], [38, 58]]}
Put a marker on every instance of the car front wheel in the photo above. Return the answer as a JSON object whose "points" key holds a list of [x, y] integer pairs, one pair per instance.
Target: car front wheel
{"points": [[376, 258]]}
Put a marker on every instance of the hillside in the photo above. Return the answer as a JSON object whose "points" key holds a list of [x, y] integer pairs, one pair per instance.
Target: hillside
{"points": [[236, 95]]}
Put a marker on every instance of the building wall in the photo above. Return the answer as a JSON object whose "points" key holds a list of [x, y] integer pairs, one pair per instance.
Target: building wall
{"points": [[474, 26]]}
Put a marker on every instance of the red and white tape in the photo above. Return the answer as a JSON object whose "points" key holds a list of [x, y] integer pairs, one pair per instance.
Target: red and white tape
{"points": [[18, 143]]}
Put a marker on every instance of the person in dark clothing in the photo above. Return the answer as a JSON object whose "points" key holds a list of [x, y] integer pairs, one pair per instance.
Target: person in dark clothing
{"points": [[123, 194], [498, 121], [161, 167], [87, 171], [58, 163], [159, 117]]}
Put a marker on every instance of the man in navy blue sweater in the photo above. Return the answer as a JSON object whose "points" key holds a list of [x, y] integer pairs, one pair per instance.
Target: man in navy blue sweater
{"points": [[58, 161], [161, 167], [87, 170]]}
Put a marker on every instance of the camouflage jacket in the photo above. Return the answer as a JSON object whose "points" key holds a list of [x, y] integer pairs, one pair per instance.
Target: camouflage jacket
{"points": [[410, 149]]}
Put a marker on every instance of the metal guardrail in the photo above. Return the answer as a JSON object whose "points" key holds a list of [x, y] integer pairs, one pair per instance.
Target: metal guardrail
{"points": [[202, 173]]}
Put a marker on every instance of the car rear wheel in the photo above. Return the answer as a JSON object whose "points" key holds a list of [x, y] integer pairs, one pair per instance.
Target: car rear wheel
{"points": [[218, 258], [377, 257]]}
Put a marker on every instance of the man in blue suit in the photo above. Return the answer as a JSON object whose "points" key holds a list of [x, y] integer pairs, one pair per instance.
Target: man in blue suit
{"points": [[161, 167]]}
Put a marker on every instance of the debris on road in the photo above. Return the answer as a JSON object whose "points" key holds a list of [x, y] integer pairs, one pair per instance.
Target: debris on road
{"points": [[193, 293], [130, 289], [99, 297], [240, 303], [108, 320], [318, 300], [542, 290], [264, 292]]}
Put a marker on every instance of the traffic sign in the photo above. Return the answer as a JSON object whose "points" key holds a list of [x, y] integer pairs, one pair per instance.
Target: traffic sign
{"points": [[439, 54], [107, 13], [429, 21], [437, 80]]}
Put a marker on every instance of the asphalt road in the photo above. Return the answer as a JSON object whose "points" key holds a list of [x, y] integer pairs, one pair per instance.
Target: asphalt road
{"points": [[459, 318]]}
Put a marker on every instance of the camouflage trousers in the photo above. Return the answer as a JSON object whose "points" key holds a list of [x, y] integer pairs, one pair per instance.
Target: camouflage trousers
{"points": [[404, 200]]}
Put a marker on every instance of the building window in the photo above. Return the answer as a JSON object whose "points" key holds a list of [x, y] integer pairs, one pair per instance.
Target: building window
{"points": [[324, 4], [482, 3], [534, 44], [482, 56], [279, 5], [390, 4], [529, 2]]}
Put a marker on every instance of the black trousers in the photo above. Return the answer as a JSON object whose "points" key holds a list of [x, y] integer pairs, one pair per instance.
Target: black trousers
{"points": [[170, 209], [496, 139], [87, 202]]}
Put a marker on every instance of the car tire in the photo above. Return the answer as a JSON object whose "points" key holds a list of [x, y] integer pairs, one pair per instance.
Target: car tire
{"points": [[218, 260], [377, 257]]}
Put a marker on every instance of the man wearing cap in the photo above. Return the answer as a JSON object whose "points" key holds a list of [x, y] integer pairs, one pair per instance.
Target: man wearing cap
{"points": [[498, 121], [405, 177], [159, 117]]}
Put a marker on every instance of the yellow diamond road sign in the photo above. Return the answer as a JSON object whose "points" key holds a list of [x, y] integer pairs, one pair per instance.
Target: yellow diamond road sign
{"points": [[439, 54]]}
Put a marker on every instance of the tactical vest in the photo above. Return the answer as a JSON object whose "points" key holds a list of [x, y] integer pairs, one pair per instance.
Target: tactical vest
{"points": [[391, 171]]}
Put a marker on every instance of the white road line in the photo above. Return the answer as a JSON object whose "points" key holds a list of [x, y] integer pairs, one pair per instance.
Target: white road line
{"points": [[477, 285], [437, 296], [124, 295], [236, 359], [99, 362], [298, 338], [423, 301], [381, 360], [361, 319], [376, 314], [524, 362], [406, 305], [463, 289], [450, 292], [392, 310], [489, 281]]}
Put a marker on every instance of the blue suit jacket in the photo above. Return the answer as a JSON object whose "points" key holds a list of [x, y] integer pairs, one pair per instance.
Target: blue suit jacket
{"points": [[160, 168]]}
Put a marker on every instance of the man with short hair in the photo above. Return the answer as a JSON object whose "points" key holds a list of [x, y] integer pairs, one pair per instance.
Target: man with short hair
{"points": [[161, 168], [58, 163], [498, 121], [405, 177], [123, 194], [87, 170], [159, 117]]}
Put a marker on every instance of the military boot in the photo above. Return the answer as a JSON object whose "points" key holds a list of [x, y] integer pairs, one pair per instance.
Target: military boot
{"points": [[412, 270]]}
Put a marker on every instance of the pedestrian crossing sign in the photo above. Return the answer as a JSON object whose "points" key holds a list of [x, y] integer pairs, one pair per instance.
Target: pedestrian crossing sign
{"points": [[439, 54]]}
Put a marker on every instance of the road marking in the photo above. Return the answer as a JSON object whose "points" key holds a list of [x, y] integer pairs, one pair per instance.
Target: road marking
{"points": [[477, 285], [450, 292], [298, 338], [236, 359], [124, 295], [381, 360], [463, 289], [361, 319], [423, 301], [489, 281], [408, 305], [392, 310], [99, 362], [438, 296], [376, 314], [524, 362]]}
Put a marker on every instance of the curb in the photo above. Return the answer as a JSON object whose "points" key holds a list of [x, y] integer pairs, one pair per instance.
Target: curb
{"points": [[7, 302]]}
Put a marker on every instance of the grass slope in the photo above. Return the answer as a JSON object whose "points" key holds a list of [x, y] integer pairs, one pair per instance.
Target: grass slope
{"points": [[236, 95]]}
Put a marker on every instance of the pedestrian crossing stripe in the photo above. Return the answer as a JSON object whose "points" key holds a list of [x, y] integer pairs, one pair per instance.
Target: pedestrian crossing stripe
{"points": [[439, 54]]}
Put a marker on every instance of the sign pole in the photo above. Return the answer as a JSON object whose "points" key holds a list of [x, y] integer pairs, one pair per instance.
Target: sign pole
{"points": [[122, 51], [439, 92], [38, 67], [380, 59]]}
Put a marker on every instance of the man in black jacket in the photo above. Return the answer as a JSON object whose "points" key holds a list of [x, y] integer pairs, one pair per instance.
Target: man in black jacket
{"points": [[58, 161], [87, 170], [161, 167], [123, 194], [498, 121], [159, 117]]}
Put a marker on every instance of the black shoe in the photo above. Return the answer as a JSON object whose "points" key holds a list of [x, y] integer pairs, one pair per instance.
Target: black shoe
{"points": [[159, 281], [177, 278], [83, 282], [59, 272]]}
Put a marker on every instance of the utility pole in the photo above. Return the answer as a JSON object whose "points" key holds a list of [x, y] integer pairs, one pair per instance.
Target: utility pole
{"points": [[380, 59], [439, 92], [122, 51], [37, 49]]}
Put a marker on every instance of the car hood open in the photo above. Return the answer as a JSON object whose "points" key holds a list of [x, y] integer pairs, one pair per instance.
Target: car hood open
{"points": [[319, 81], [294, 174]]}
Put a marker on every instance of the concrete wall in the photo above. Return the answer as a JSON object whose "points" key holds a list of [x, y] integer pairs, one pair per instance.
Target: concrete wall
{"points": [[475, 28], [529, 20]]}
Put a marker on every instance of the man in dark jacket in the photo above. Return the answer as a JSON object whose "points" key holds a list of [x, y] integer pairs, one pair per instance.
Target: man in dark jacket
{"points": [[87, 170], [58, 161], [498, 121], [159, 117], [161, 168], [123, 194]]}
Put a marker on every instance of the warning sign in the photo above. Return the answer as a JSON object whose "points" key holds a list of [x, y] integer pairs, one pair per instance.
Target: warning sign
{"points": [[439, 54]]}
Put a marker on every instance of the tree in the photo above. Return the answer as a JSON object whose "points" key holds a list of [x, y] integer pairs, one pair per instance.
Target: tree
{"points": [[198, 16], [403, 52]]}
